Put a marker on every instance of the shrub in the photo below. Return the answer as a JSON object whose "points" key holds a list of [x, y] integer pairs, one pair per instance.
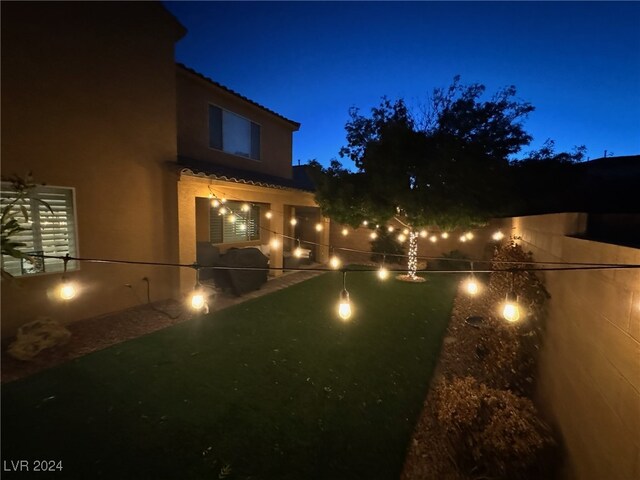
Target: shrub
{"points": [[386, 246], [493, 432]]}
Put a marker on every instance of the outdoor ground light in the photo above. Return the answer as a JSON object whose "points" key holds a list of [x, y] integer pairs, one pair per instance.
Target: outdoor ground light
{"points": [[511, 309], [344, 308], [345, 232], [445, 235], [318, 227], [471, 285], [497, 236], [268, 215], [334, 262], [293, 222], [67, 289]]}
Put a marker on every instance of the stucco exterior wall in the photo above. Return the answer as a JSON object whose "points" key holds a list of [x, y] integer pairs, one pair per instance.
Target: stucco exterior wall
{"points": [[88, 101], [194, 97], [480, 247], [590, 361]]}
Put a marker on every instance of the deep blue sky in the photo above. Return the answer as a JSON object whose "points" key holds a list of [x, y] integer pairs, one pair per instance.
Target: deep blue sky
{"points": [[577, 63]]}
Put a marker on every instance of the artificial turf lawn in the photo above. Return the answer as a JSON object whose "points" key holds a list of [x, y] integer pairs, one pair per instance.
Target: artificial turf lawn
{"points": [[277, 387]]}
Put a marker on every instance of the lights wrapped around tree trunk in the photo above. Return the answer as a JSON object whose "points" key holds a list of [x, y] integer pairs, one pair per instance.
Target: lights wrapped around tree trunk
{"points": [[412, 263]]}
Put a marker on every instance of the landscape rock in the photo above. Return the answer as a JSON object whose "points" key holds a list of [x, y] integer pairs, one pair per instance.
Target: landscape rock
{"points": [[33, 337]]}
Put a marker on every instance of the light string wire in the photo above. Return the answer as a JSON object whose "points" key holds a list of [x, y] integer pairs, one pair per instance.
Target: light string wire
{"points": [[198, 267]]}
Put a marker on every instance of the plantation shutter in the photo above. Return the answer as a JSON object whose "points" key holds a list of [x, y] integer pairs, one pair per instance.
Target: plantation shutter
{"points": [[50, 229], [245, 227]]}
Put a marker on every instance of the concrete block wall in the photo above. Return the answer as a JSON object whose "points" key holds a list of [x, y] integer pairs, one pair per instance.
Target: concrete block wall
{"points": [[589, 368]]}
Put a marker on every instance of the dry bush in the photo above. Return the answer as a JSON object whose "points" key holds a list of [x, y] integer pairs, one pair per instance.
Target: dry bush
{"points": [[493, 433]]}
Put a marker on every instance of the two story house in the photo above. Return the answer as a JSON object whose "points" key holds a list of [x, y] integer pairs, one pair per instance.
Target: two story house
{"points": [[132, 149]]}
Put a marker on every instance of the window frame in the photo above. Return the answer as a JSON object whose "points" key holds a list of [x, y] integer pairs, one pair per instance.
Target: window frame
{"points": [[72, 266], [211, 104]]}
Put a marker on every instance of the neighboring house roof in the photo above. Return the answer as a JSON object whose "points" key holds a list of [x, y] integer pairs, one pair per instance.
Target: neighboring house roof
{"points": [[296, 125], [237, 175]]}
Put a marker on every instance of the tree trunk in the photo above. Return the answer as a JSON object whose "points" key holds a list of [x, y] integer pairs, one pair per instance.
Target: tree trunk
{"points": [[412, 264]]}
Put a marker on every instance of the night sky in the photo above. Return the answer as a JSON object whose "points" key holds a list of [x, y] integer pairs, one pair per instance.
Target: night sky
{"points": [[577, 63]]}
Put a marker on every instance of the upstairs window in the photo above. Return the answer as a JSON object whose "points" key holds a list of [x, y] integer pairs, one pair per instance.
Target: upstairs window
{"points": [[49, 229], [237, 227], [233, 134]]}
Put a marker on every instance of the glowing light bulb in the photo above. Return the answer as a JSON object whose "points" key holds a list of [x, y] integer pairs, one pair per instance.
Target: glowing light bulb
{"points": [[334, 262], [405, 231], [223, 211], [445, 235], [365, 223], [469, 236], [345, 232], [390, 229], [242, 227], [231, 219], [402, 237], [197, 300], [275, 243], [210, 195], [293, 222], [67, 290], [497, 236], [511, 309], [373, 235], [215, 203], [224, 200], [433, 239], [383, 273], [318, 227], [377, 226], [269, 214], [344, 308], [297, 252], [471, 286], [245, 207], [424, 233], [463, 238]]}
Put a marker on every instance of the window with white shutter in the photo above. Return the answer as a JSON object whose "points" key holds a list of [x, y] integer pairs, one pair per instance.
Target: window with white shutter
{"points": [[235, 227], [49, 229]]}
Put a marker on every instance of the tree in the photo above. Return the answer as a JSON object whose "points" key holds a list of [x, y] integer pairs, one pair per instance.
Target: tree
{"points": [[446, 168]]}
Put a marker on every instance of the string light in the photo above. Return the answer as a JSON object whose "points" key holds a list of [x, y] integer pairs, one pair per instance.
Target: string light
{"points": [[471, 285], [497, 236], [469, 236], [319, 227], [67, 289], [231, 219], [245, 207], [268, 214], [298, 250], [198, 301], [345, 232], [383, 273], [463, 238], [293, 222], [433, 239], [445, 235], [365, 223], [334, 262], [215, 203], [344, 307], [373, 235], [424, 233], [405, 231], [223, 210], [402, 237], [390, 229], [223, 200], [275, 243], [511, 309]]}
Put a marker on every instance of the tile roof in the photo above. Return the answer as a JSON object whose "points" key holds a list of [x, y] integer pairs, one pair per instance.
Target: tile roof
{"points": [[296, 125], [230, 174]]}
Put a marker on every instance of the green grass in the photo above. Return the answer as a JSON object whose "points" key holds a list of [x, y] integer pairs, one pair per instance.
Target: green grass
{"points": [[277, 387]]}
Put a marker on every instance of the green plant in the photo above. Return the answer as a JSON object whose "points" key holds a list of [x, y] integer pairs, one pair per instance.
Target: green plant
{"points": [[493, 432], [387, 247]]}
